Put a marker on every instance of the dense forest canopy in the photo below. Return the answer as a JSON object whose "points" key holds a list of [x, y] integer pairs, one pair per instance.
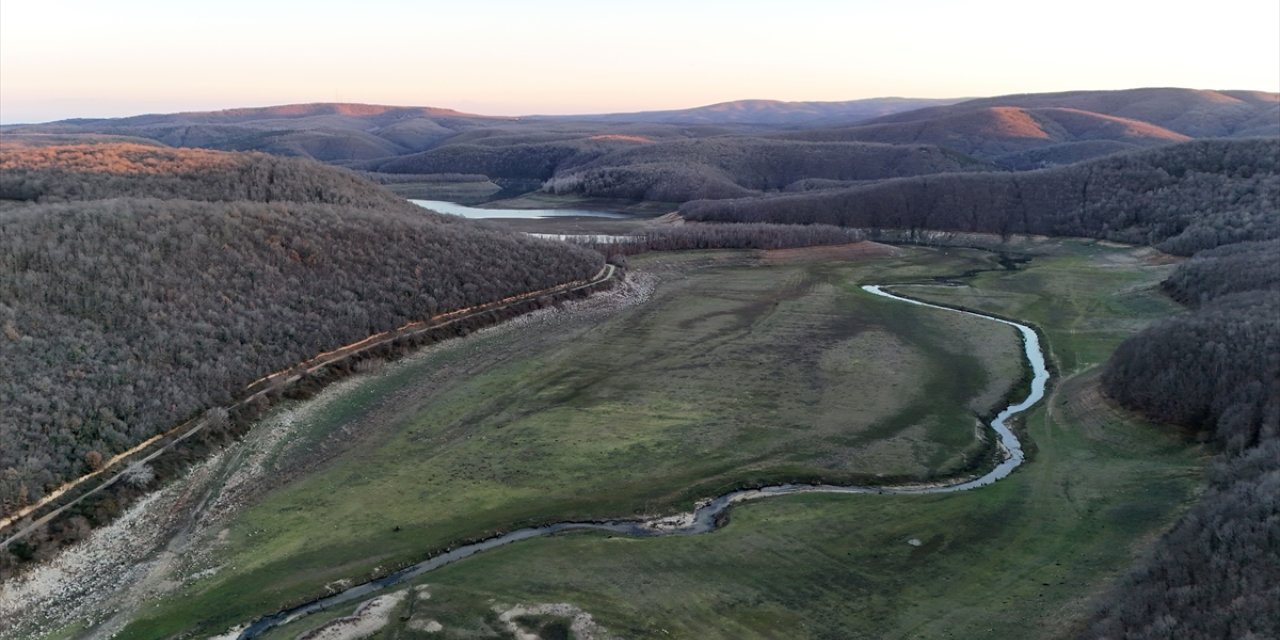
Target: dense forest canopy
{"points": [[1233, 268], [1215, 370], [58, 173], [734, 166], [121, 317], [1181, 198], [635, 167]]}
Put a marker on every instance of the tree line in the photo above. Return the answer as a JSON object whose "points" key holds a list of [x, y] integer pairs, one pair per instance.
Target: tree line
{"points": [[692, 237], [676, 170], [1215, 370], [1181, 198], [742, 166], [62, 173], [122, 317]]}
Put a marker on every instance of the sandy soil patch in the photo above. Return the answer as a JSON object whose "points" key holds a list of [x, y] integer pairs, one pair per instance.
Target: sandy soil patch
{"points": [[367, 620], [678, 521], [231, 634], [581, 623], [426, 625]]}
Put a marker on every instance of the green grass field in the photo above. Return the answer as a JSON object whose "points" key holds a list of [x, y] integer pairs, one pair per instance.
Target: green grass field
{"points": [[737, 371]]}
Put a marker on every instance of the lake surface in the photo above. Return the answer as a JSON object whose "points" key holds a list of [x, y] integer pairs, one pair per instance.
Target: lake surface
{"points": [[455, 209]]}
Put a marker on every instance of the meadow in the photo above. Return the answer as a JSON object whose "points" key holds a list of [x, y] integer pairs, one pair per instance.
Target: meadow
{"points": [[739, 370], [742, 368], [1023, 558]]}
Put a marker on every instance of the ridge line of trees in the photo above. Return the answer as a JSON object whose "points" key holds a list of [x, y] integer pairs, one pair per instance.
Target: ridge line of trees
{"points": [[1181, 198], [123, 313]]}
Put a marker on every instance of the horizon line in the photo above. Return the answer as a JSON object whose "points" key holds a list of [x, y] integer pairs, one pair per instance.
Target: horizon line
{"points": [[588, 114]]}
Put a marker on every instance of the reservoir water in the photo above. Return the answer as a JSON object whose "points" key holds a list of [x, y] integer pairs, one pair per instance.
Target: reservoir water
{"points": [[455, 209]]}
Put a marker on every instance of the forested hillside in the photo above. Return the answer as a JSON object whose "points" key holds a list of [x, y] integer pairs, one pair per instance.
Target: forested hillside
{"points": [[705, 152], [522, 160], [1235, 268], [776, 113], [1181, 198], [1214, 574], [636, 167], [1216, 370], [734, 166], [121, 317], [1191, 112], [1038, 130], [1014, 137], [331, 132], [61, 173]]}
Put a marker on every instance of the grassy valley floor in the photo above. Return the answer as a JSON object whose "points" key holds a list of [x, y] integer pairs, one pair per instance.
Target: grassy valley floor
{"points": [[740, 368], [1018, 559]]}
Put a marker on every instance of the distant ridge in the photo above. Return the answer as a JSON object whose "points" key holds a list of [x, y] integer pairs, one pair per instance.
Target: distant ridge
{"points": [[376, 112], [330, 132], [1028, 131], [1017, 137], [1021, 131], [1196, 113], [769, 112]]}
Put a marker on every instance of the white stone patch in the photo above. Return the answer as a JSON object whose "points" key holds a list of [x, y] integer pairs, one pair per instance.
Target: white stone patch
{"points": [[368, 619], [581, 623]]}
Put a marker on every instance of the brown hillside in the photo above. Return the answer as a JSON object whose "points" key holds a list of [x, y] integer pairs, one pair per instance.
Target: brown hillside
{"points": [[1191, 112], [993, 132], [59, 173]]}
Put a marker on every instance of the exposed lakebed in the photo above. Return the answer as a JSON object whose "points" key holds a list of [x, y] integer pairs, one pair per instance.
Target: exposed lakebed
{"points": [[708, 514]]}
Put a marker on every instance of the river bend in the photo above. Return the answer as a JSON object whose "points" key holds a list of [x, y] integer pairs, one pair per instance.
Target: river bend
{"points": [[707, 516]]}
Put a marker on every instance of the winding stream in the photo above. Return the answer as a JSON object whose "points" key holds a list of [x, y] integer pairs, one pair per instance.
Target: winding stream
{"points": [[708, 515]]}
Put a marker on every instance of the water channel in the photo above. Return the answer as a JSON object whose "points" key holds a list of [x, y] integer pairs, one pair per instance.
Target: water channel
{"points": [[708, 515]]}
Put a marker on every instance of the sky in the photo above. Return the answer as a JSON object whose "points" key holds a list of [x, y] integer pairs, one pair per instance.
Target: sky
{"points": [[78, 58]]}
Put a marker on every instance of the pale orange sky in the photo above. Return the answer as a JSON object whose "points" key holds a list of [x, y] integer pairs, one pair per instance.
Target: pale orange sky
{"points": [[75, 58]]}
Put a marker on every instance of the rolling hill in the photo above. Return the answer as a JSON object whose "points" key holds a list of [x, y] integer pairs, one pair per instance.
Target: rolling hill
{"points": [[1018, 132], [770, 113], [331, 132], [1031, 131], [59, 173], [1182, 198], [1017, 137], [143, 285], [1191, 112], [732, 166]]}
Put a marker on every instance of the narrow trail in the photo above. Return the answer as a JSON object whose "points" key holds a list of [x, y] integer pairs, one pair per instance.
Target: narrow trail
{"points": [[709, 514], [258, 388]]}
